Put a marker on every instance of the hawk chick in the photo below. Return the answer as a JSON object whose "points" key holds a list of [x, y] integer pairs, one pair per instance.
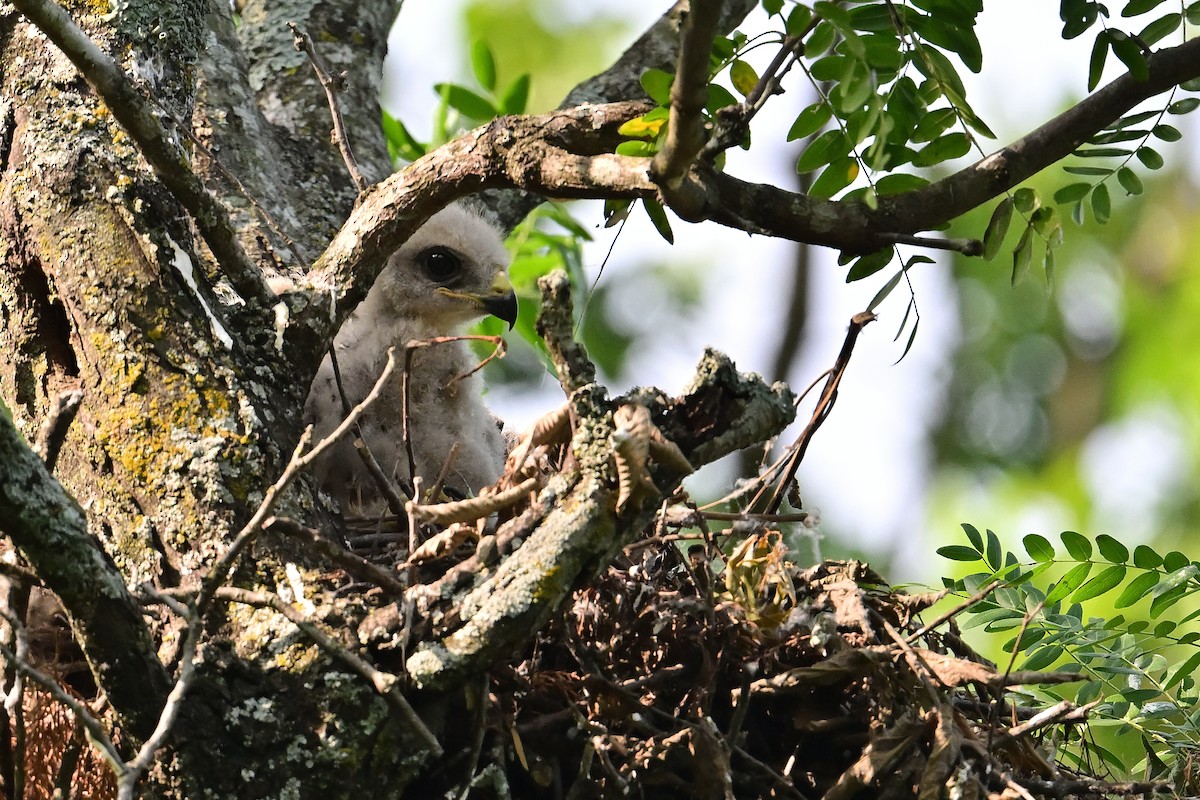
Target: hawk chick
{"points": [[450, 271]]}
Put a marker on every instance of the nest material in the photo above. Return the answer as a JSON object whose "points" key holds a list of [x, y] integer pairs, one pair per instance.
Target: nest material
{"points": [[655, 682]]}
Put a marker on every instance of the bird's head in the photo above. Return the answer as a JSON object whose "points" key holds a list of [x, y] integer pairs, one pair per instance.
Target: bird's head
{"points": [[450, 271]]}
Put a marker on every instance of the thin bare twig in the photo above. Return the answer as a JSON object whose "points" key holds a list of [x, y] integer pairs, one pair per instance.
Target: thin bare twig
{"points": [[137, 767], [331, 85], [824, 407], [348, 561], [409, 349], [387, 488], [958, 609]]}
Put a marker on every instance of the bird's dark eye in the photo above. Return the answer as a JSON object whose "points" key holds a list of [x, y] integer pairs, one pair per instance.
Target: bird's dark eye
{"points": [[441, 264]]}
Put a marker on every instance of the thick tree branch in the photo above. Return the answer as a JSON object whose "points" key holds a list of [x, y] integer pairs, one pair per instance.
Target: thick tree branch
{"points": [[50, 530], [158, 146]]}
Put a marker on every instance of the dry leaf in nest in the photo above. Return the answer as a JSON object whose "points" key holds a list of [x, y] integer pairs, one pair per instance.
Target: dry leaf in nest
{"points": [[444, 543], [758, 579]]}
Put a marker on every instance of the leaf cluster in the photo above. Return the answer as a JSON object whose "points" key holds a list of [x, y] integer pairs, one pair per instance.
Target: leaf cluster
{"points": [[1136, 670]]}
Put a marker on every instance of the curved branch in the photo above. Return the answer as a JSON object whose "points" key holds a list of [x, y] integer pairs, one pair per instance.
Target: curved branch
{"points": [[565, 154]]}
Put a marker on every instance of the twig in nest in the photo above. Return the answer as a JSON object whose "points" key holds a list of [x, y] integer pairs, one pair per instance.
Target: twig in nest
{"points": [[473, 508], [348, 561], [331, 85], [824, 407]]}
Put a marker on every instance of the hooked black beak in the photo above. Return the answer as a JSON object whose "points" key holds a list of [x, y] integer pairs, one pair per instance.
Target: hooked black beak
{"points": [[501, 300]]}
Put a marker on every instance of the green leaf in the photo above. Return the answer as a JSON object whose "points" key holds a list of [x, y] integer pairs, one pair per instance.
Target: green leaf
{"points": [[1077, 545], [993, 551], [772, 7], [1111, 549], [1026, 200], [1096, 61], [1182, 671], [1102, 152], [1185, 105], [1085, 170], [1129, 181], [1101, 205], [401, 143], [515, 96], [636, 148], [1022, 255], [718, 97], [1072, 192], [898, 182], [809, 121], [658, 216], [934, 124], [1175, 561], [798, 20], [820, 40], [952, 145], [837, 176], [1144, 557], [1038, 547], [657, 84], [1042, 657], [823, 149], [1135, 7], [1069, 582], [1160, 29], [483, 65], [830, 68], [840, 19], [467, 102], [743, 76], [957, 38], [1137, 588], [1131, 55], [1164, 601], [1168, 133], [1108, 579], [959, 552], [997, 227], [1150, 158], [869, 264], [894, 281], [973, 536], [1077, 17]]}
